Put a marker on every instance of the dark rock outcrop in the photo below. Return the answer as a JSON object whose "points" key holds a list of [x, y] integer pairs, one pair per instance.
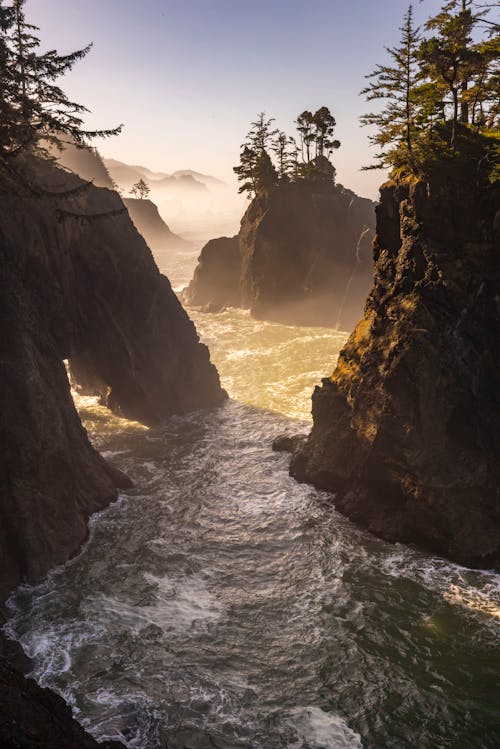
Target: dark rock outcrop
{"points": [[88, 291], [149, 223], [86, 162], [285, 443], [304, 259], [216, 278], [32, 717], [407, 430]]}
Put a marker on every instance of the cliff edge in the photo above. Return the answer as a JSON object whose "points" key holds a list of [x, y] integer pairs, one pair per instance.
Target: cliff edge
{"points": [[302, 257], [406, 432], [145, 215], [85, 290]]}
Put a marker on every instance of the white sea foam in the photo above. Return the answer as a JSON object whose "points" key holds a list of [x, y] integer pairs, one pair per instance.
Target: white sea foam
{"points": [[477, 592], [317, 729]]}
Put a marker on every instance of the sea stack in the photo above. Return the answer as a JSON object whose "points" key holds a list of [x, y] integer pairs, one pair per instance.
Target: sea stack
{"points": [[302, 257], [406, 431]]}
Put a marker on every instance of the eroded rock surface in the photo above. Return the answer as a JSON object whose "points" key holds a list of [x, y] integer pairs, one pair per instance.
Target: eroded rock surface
{"points": [[90, 292], [216, 281], [150, 225], [301, 258], [407, 430]]}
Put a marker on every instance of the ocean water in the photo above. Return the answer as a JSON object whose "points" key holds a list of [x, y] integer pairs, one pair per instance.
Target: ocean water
{"points": [[221, 595]]}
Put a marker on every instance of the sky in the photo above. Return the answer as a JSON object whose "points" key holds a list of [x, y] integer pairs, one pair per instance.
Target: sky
{"points": [[187, 77]]}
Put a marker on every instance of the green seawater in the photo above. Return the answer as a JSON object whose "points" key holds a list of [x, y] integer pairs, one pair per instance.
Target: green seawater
{"points": [[220, 594]]}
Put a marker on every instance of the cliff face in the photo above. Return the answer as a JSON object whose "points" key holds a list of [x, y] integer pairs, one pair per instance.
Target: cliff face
{"points": [[304, 258], [86, 162], [216, 280], [90, 292], [149, 223], [407, 430]]}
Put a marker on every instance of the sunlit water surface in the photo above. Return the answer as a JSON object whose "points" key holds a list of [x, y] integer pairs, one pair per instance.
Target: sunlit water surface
{"points": [[220, 594]]}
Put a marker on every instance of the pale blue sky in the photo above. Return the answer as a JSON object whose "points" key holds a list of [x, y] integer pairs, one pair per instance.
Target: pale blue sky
{"points": [[186, 77]]}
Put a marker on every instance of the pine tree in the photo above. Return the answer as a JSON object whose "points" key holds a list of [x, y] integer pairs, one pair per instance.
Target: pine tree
{"points": [[266, 176], [256, 171], [245, 171], [305, 123], [396, 83], [324, 125], [281, 149], [141, 189], [36, 113], [467, 70]]}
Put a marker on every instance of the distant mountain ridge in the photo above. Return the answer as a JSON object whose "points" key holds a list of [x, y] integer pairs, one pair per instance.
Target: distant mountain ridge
{"points": [[126, 175]]}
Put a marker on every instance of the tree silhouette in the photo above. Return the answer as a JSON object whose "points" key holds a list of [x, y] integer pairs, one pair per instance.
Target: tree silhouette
{"points": [[35, 111], [441, 96], [259, 175], [396, 83], [141, 189]]}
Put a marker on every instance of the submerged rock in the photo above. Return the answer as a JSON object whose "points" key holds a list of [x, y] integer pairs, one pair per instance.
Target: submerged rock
{"points": [[406, 432], [285, 443], [301, 257]]}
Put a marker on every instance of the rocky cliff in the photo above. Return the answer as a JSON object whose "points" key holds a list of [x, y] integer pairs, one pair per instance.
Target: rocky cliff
{"points": [[90, 292], [35, 718], [77, 282], [406, 431], [304, 258], [149, 223], [216, 280]]}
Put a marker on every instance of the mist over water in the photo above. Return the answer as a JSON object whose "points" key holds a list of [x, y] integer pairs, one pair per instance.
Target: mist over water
{"points": [[220, 594]]}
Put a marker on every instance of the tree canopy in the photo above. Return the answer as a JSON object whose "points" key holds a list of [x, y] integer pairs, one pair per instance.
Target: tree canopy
{"points": [[35, 113], [306, 162], [141, 189], [441, 95]]}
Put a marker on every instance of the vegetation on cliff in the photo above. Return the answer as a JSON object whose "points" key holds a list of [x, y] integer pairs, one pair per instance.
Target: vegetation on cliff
{"points": [[305, 163], [36, 115], [441, 93], [405, 431]]}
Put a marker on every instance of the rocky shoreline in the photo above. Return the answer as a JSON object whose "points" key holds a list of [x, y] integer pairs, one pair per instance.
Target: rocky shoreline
{"points": [[406, 431]]}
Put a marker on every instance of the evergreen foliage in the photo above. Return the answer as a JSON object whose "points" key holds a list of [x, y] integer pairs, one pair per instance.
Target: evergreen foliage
{"points": [[141, 189], [308, 163], [36, 115], [441, 93]]}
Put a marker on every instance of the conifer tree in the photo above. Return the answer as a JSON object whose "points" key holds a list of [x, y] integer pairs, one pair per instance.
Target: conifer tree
{"points": [[280, 147], [324, 125], [141, 189], [36, 113], [305, 123], [245, 171], [452, 95], [396, 83], [449, 58], [256, 171]]}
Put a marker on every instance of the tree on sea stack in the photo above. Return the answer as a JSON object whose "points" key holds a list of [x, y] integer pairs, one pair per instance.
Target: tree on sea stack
{"points": [[441, 94], [35, 113], [395, 83], [140, 190], [308, 164]]}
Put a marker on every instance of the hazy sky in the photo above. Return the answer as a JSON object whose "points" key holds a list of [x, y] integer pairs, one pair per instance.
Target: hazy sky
{"points": [[186, 77]]}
